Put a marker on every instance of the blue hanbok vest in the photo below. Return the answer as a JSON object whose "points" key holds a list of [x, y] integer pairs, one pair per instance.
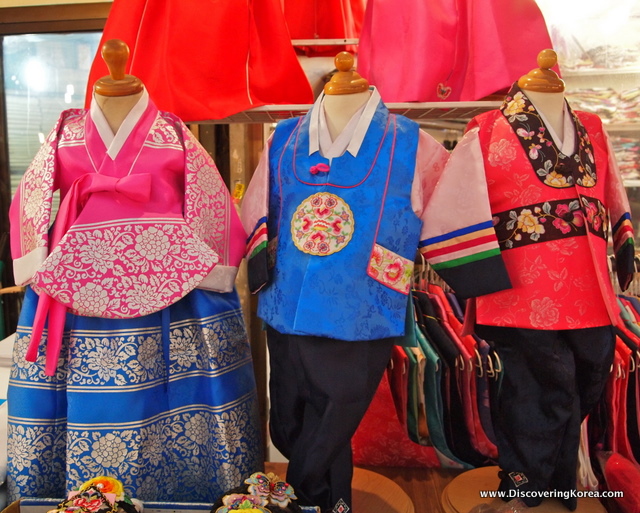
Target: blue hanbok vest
{"points": [[342, 235]]}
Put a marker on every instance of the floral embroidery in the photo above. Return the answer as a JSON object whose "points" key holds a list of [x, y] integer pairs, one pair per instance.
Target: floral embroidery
{"points": [[271, 488], [165, 132], [322, 224], [552, 167], [122, 270], [176, 450], [549, 221], [390, 269], [152, 244], [106, 484], [88, 500], [443, 91], [126, 358], [36, 187], [241, 502], [514, 105], [556, 180], [525, 134], [263, 490], [207, 200]]}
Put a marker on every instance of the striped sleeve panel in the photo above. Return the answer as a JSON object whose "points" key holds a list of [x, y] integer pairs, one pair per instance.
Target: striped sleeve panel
{"points": [[468, 259], [257, 241], [257, 257], [461, 246], [623, 245], [622, 232]]}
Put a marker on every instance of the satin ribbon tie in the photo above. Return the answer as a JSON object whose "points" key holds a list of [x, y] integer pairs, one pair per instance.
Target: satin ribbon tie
{"points": [[136, 187]]}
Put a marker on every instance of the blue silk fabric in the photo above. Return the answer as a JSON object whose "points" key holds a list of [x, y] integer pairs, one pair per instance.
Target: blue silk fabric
{"points": [[166, 403], [332, 295]]}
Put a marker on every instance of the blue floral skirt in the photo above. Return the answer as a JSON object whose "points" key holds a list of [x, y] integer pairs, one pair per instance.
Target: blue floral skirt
{"points": [[166, 403]]}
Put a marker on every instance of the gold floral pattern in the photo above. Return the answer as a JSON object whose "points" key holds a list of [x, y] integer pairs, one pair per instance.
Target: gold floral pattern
{"points": [[515, 104], [550, 221]]}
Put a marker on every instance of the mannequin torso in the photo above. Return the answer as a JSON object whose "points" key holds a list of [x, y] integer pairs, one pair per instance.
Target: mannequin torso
{"points": [[545, 89], [117, 93], [551, 106], [345, 93], [340, 108], [116, 108]]}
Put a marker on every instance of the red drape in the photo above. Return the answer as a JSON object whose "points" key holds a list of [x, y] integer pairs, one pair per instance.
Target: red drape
{"points": [[207, 59]]}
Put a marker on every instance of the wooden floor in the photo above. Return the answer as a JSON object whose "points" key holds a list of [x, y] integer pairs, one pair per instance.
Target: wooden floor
{"points": [[424, 486]]}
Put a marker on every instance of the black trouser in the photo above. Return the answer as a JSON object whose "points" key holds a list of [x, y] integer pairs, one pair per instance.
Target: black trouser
{"points": [[320, 388], [551, 381]]}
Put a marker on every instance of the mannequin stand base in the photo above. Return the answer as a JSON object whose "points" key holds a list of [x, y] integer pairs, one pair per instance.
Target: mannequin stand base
{"points": [[372, 492], [463, 494]]}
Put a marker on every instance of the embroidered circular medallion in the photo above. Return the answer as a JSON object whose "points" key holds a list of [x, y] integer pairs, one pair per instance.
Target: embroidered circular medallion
{"points": [[322, 224]]}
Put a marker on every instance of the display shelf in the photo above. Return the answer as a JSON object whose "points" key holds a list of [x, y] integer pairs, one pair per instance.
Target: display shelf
{"points": [[598, 72], [416, 111], [622, 127], [324, 42]]}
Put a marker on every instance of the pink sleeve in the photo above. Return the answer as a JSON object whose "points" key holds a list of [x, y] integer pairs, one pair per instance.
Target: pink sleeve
{"points": [[210, 213], [255, 205], [622, 232], [30, 210], [430, 162], [255, 210]]}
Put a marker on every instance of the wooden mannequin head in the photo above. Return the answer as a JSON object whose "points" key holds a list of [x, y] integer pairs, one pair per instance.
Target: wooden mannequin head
{"points": [[345, 93], [345, 81], [117, 93], [116, 53], [543, 79]]}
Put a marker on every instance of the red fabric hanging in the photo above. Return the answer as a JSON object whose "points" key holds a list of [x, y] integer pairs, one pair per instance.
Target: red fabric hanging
{"points": [[467, 376], [617, 398], [324, 19], [382, 441], [623, 476], [449, 50], [209, 59]]}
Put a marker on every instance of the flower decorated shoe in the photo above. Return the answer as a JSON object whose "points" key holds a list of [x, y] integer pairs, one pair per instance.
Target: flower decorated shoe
{"points": [[261, 493], [102, 494]]}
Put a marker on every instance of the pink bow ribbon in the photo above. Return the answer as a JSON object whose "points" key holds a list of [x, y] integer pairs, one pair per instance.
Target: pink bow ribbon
{"points": [[136, 187], [319, 168]]}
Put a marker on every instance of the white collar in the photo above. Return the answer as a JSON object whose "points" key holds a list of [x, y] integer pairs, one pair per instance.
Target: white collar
{"points": [[114, 143], [567, 143], [351, 137]]}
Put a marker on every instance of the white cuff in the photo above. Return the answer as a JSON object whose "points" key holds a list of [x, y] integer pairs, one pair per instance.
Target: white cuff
{"points": [[221, 279], [26, 266]]}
